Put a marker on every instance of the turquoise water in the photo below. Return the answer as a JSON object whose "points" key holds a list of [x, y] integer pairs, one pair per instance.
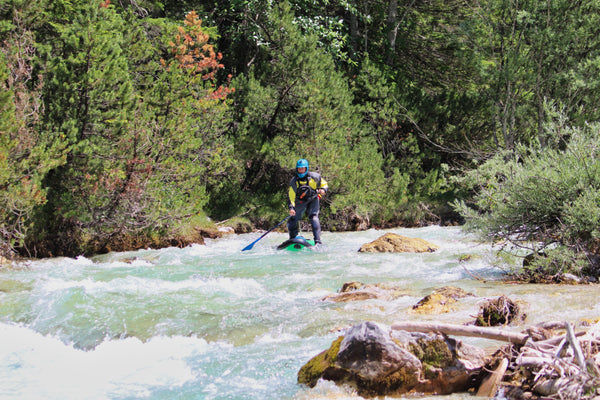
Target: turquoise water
{"points": [[213, 322]]}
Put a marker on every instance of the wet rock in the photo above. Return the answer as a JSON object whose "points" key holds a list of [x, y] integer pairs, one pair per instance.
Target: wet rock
{"points": [[369, 353], [357, 291], [226, 230], [440, 300], [351, 296], [568, 279], [5, 262], [359, 223], [394, 243], [376, 362], [210, 233], [449, 365], [351, 286], [321, 365], [242, 226], [14, 286]]}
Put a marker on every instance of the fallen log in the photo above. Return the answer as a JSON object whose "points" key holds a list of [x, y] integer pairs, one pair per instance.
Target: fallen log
{"points": [[555, 341], [461, 330]]}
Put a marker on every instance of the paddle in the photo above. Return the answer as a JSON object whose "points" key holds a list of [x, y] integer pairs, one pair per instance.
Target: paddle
{"points": [[264, 234]]}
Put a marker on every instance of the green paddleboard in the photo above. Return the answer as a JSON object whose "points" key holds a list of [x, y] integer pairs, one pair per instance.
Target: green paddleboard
{"points": [[296, 244]]}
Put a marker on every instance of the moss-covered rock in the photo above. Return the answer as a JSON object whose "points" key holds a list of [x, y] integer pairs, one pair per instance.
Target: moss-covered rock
{"points": [[377, 362], [316, 368], [433, 352]]}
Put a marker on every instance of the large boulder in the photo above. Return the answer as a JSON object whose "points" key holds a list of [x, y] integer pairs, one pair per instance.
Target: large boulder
{"points": [[367, 359], [394, 243], [376, 363]]}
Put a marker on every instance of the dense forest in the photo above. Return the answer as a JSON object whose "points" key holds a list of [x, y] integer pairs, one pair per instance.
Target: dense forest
{"points": [[136, 123]]}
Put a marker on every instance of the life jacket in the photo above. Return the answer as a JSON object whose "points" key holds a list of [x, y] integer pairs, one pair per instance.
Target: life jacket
{"points": [[304, 192]]}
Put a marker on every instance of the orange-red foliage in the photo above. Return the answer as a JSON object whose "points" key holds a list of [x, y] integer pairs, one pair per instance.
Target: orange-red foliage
{"points": [[192, 50], [193, 53]]}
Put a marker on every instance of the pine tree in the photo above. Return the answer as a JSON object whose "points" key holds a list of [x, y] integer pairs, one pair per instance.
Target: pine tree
{"points": [[26, 154], [300, 106], [145, 123], [89, 98]]}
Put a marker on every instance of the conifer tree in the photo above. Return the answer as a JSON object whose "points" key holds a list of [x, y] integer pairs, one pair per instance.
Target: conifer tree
{"points": [[144, 146], [183, 120], [88, 97], [26, 154], [300, 106]]}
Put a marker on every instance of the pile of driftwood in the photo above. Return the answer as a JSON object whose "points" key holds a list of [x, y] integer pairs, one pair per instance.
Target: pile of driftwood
{"points": [[537, 362]]}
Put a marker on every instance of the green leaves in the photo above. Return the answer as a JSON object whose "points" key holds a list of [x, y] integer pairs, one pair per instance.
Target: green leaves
{"points": [[26, 153], [541, 198]]}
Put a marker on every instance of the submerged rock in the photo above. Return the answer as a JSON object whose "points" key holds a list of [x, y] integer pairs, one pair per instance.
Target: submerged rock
{"points": [[357, 291], [394, 243], [440, 300], [376, 363]]}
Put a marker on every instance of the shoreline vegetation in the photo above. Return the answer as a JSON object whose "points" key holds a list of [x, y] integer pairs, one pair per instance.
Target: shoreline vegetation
{"points": [[549, 359], [428, 112]]}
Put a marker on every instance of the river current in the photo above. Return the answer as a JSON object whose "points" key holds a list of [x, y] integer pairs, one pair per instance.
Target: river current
{"points": [[213, 322]]}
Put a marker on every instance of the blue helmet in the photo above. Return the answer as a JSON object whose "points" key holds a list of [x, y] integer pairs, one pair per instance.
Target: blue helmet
{"points": [[302, 163]]}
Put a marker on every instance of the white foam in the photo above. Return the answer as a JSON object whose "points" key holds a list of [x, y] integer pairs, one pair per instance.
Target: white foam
{"points": [[33, 366], [131, 284]]}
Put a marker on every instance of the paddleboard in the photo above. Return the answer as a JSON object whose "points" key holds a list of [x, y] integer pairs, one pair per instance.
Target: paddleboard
{"points": [[296, 244]]}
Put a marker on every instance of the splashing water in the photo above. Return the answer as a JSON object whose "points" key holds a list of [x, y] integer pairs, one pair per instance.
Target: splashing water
{"points": [[212, 322]]}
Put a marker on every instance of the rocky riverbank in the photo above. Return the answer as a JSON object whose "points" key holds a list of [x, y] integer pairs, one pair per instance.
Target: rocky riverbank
{"points": [[549, 360]]}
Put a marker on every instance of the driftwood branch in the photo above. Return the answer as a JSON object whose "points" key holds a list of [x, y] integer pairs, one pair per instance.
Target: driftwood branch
{"points": [[461, 330], [558, 366], [576, 347]]}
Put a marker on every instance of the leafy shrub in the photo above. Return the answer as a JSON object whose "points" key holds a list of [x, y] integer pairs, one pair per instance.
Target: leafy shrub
{"points": [[539, 199]]}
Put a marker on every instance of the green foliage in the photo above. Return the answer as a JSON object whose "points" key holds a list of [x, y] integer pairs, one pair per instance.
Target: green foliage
{"points": [[88, 98], [540, 199], [553, 261], [299, 106], [117, 120], [26, 154], [532, 52], [414, 174], [185, 117], [145, 124]]}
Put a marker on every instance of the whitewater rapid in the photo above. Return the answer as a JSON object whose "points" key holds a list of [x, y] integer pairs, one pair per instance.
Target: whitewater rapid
{"points": [[213, 322]]}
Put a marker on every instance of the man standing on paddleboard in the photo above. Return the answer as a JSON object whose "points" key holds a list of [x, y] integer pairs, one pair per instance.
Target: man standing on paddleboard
{"points": [[306, 189]]}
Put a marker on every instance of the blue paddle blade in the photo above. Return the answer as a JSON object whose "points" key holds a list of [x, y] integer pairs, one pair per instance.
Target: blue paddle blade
{"points": [[250, 246], [264, 234]]}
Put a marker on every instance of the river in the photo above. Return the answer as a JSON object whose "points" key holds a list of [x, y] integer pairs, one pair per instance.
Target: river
{"points": [[213, 322]]}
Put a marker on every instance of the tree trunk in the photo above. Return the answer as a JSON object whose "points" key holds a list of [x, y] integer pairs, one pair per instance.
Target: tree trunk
{"points": [[392, 29]]}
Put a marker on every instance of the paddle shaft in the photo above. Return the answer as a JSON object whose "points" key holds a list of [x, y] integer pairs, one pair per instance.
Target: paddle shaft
{"points": [[265, 234]]}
